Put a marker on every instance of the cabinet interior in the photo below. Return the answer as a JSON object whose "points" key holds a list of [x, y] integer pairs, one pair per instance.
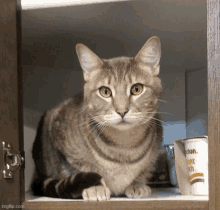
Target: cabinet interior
{"points": [[51, 70]]}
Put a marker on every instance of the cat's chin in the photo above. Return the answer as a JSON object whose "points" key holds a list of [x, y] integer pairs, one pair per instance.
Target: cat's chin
{"points": [[123, 126]]}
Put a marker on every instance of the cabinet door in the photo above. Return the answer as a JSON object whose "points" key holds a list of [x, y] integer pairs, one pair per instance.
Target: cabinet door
{"points": [[11, 190]]}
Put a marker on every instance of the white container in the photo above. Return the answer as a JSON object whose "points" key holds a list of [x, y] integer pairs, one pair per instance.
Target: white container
{"points": [[196, 151]]}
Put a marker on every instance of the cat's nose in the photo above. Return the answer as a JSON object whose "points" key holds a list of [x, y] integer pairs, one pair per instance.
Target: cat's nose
{"points": [[122, 113]]}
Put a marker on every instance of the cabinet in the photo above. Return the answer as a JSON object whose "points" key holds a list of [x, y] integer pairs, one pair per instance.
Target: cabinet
{"points": [[11, 129]]}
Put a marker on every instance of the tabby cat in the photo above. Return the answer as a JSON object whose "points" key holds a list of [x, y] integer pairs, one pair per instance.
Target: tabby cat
{"points": [[105, 141]]}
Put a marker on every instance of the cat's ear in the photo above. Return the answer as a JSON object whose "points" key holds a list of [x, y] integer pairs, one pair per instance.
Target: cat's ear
{"points": [[89, 61], [149, 55]]}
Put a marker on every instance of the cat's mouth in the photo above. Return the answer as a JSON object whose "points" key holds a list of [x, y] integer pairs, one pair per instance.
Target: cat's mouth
{"points": [[119, 122], [123, 125]]}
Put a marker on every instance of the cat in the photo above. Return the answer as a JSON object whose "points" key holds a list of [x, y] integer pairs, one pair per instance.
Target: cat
{"points": [[104, 141]]}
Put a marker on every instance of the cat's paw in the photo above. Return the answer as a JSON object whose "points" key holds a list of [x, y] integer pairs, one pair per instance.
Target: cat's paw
{"points": [[138, 191], [97, 193]]}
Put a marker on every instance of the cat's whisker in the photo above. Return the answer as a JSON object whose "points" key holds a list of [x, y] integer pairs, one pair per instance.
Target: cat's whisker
{"points": [[83, 109], [148, 119], [99, 122], [103, 127], [88, 132], [164, 113], [79, 125], [158, 112], [100, 129], [162, 101], [94, 128], [82, 124], [140, 126], [151, 117], [93, 123], [87, 121], [155, 123], [145, 122], [137, 113], [98, 117], [141, 121], [158, 119]]}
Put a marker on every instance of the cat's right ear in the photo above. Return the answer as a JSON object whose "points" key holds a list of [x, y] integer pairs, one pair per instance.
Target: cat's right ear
{"points": [[89, 61]]}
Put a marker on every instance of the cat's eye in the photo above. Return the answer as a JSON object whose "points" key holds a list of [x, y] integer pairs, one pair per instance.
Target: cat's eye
{"points": [[105, 92], [136, 89]]}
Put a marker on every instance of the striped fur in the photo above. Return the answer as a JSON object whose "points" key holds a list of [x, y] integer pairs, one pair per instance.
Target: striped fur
{"points": [[71, 187], [85, 146]]}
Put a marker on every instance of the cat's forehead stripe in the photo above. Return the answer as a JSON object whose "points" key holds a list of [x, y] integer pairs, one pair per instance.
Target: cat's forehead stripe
{"points": [[106, 81], [118, 68], [128, 78]]}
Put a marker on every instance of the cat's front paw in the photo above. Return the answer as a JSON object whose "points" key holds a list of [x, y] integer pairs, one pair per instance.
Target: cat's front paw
{"points": [[138, 191], [97, 193]]}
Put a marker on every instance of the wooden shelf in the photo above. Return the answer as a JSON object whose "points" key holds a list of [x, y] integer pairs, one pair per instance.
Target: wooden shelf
{"points": [[161, 194], [164, 198]]}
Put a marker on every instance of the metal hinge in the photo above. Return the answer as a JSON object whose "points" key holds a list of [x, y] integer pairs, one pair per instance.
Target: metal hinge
{"points": [[12, 160]]}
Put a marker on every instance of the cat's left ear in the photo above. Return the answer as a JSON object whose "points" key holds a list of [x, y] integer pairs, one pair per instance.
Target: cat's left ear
{"points": [[89, 61], [149, 55]]}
